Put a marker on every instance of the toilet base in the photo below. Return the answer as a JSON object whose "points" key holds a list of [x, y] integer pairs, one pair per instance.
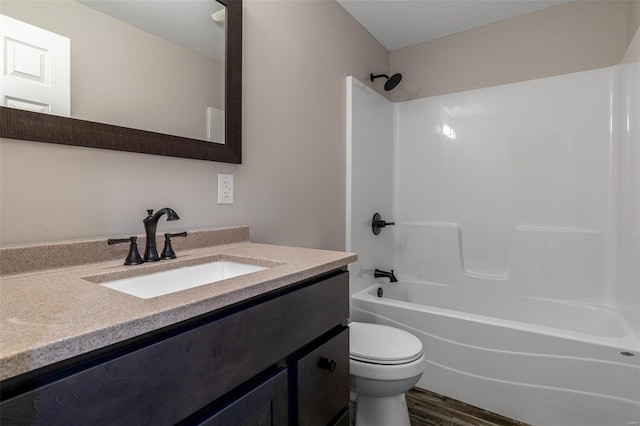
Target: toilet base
{"points": [[382, 411]]}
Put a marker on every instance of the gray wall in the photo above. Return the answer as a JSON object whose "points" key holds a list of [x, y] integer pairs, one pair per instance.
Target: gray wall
{"points": [[290, 188], [576, 36], [633, 52]]}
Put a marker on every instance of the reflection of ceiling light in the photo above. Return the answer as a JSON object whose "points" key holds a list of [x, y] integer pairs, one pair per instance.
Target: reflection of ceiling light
{"points": [[448, 132], [219, 17]]}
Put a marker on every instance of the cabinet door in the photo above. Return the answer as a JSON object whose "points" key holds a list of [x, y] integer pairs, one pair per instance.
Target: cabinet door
{"points": [[323, 381], [265, 405]]}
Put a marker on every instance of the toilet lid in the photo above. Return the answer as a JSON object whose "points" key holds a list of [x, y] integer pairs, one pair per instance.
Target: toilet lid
{"points": [[381, 344]]}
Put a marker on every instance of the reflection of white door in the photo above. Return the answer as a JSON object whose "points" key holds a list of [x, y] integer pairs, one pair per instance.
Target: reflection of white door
{"points": [[36, 70]]}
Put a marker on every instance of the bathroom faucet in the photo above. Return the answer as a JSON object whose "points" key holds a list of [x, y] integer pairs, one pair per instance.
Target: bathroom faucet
{"points": [[384, 274], [150, 226]]}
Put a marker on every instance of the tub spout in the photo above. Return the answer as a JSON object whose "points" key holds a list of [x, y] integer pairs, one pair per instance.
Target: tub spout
{"points": [[384, 274]]}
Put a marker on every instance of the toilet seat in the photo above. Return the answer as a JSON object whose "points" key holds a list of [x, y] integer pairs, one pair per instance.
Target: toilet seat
{"points": [[383, 372], [382, 345]]}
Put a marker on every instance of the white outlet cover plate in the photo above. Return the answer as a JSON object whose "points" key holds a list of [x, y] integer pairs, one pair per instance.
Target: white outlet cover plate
{"points": [[225, 188]]}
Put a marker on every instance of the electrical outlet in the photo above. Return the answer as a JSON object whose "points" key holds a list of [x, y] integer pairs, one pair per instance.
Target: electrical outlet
{"points": [[225, 188]]}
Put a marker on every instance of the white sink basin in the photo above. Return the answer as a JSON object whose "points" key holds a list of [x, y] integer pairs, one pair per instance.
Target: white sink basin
{"points": [[160, 283]]}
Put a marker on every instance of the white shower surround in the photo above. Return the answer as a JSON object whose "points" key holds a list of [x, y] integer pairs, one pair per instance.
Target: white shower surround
{"points": [[531, 161], [536, 200]]}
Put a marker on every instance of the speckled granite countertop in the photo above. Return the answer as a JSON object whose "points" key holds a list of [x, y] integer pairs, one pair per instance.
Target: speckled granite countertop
{"points": [[55, 314]]}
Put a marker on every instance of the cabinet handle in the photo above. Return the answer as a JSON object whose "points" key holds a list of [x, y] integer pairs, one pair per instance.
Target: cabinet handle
{"points": [[327, 364]]}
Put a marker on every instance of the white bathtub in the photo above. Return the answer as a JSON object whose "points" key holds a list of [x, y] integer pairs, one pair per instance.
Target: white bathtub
{"points": [[507, 354]]}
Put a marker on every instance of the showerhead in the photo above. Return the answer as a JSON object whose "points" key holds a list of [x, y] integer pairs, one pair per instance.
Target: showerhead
{"points": [[392, 81]]}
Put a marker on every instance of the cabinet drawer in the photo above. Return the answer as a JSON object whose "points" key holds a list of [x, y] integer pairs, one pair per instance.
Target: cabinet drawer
{"points": [[323, 381]]}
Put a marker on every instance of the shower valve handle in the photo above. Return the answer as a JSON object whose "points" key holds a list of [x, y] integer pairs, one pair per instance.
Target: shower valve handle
{"points": [[377, 223], [382, 223]]}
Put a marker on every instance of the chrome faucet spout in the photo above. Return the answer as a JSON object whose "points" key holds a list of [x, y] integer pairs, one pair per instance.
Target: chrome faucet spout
{"points": [[150, 227]]}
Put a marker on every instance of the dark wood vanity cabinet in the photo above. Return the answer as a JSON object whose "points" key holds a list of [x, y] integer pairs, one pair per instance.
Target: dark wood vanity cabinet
{"points": [[278, 359]]}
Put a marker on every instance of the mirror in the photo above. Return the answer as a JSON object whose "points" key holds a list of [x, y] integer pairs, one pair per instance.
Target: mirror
{"points": [[130, 121]]}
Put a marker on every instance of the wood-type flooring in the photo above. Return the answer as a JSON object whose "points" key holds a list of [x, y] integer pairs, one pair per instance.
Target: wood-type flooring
{"points": [[431, 409]]}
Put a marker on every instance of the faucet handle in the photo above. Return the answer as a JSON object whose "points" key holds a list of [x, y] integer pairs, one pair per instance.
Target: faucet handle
{"points": [[112, 241], [133, 258], [167, 251], [179, 234], [150, 212]]}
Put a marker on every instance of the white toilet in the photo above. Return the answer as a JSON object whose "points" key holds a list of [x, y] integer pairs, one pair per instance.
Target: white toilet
{"points": [[385, 363]]}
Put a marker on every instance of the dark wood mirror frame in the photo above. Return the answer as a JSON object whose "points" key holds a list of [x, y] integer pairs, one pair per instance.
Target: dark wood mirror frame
{"points": [[33, 126]]}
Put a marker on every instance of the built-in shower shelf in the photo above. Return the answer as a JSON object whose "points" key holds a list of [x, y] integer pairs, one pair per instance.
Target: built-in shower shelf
{"points": [[542, 261]]}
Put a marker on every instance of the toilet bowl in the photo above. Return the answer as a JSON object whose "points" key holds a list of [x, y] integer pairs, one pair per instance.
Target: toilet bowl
{"points": [[385, 362]]}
